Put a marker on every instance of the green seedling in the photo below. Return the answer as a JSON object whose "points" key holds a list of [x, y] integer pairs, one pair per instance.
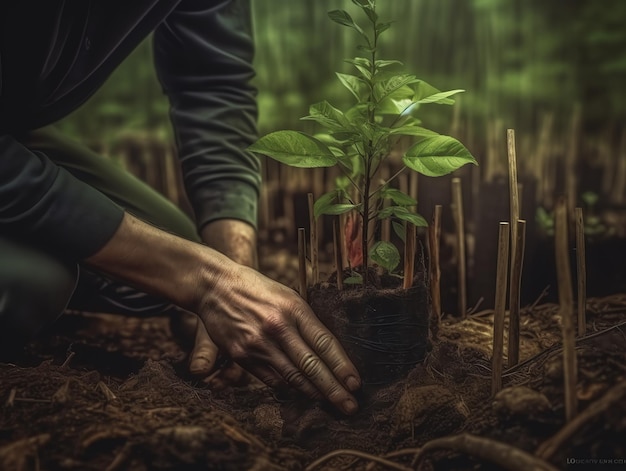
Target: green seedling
{"points": [[361, 138]]}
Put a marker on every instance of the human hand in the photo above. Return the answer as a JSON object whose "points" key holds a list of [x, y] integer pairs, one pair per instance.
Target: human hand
{"points": [[262, 325], [237, 240], [271, 332]]}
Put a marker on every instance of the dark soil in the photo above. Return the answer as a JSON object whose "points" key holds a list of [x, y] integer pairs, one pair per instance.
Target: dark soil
{"points": [[100, 392]]}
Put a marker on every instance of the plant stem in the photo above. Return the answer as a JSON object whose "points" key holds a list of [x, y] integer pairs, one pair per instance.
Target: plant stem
{"points": [[369, 153]]}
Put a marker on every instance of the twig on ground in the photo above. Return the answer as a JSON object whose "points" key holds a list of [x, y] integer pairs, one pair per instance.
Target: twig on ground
{"points": [[613, 396], [502, 454], [360, 454]]}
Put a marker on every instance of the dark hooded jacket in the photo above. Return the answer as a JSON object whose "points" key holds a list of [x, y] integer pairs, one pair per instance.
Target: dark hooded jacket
{"points": [[54, 54]]}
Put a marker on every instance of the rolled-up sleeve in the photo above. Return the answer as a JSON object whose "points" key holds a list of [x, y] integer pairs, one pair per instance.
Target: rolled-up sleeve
{"points": [[43, 203], [203, 55]]}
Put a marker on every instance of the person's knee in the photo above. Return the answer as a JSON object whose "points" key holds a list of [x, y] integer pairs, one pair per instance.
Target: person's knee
{"points": [[34, 290]]}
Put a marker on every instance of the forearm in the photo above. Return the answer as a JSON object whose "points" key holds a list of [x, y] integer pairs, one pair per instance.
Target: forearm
{"points": [[160, 263], [234, 238]]}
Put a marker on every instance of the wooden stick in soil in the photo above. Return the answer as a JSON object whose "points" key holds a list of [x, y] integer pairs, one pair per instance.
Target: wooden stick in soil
{"points": [[302, 263], [566, 303], [457, 211], [409, 255], [434, 235], [513, 195], [338, 251], [499, 307], [517, 260], [313, 241], [581, 272]]}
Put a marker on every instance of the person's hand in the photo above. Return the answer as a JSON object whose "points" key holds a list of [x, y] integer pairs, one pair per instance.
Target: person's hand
{"points": [[270, 331], [237, 240], [262, 325]]}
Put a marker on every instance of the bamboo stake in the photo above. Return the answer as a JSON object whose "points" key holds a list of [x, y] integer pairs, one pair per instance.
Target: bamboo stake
{"points": [[566, 309], [517, 261], [338, 252], [302, 263], [572, 156], [513, 196], [499, 307], [581, 272], [457, 211], [313, 241], [434, 234], [409, 255], [413, 185], [618, 192]]}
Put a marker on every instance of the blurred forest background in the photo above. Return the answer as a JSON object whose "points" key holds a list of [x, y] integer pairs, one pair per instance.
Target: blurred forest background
{"points": [[517, 59], [552, 70]]}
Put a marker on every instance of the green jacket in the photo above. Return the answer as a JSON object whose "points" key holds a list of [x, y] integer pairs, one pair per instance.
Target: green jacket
{"points": [[54, 54]]}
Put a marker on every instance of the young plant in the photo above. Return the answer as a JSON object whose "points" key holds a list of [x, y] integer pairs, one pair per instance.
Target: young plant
{"points": [[361, 138]]}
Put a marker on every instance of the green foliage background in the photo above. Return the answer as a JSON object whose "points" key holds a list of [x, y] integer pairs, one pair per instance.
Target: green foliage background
{"points": [[516, 59]]}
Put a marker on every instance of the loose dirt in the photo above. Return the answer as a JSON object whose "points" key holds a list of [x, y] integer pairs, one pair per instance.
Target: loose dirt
{"points": [[102, 392]]}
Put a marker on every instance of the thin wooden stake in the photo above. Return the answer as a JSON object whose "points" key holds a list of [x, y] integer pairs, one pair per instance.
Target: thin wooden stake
{"points": [[581, 272], [409, 255], [513, 195], [566, 303], [313, 242], [413, 185], [338, 252], [517, 261], [457, 211], [302, 263], [434, 235], [499, 307], [571, 174]]}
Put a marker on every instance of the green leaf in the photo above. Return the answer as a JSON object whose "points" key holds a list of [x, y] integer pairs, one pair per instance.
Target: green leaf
{"points": [[380, 27], [403, 214], [399, 227], [386, 255], [398, 197], [413, 130], [352, 83], [437, 156], [380, 64], [295, 148], [343, 18], [363, 65], [423, 90], [387, 87], [441, 98], [341, 208], [328, 116], [354, 280], [324, 202]]}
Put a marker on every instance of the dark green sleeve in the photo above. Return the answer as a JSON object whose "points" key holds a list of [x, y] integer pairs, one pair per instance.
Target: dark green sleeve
{"points": [[42, 203], [203, 54]]}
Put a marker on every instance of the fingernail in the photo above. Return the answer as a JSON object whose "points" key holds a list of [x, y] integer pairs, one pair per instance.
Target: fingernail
{"points": [[353, 383], [349, 406]]}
